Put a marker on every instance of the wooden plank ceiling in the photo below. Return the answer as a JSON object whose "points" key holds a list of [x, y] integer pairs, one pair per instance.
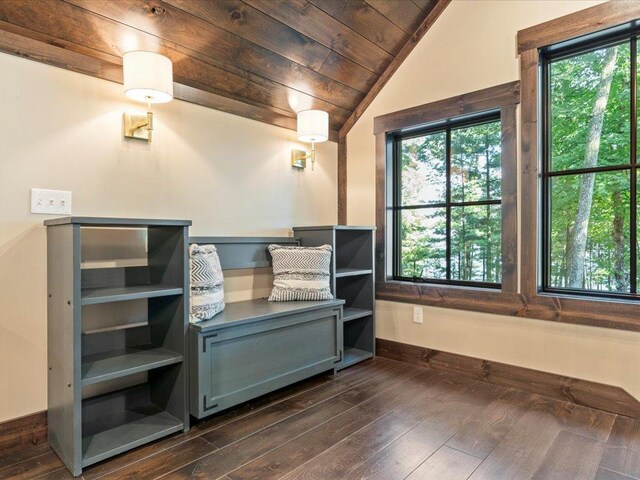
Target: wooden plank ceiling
{"points": [[262, 59]]}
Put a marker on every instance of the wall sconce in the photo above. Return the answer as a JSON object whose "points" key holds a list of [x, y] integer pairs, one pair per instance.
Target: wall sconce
{"points": [[313, 126], [148, 77]]}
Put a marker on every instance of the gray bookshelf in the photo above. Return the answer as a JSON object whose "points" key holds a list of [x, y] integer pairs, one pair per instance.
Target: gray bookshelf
{"points": [[352, 279], [117, 344]]}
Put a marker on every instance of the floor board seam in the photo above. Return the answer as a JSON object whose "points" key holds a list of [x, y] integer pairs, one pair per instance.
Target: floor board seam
{"points": [[423, 419], [8, 467], [319, 425], [291, 439], [631, 477], [462, 451]]}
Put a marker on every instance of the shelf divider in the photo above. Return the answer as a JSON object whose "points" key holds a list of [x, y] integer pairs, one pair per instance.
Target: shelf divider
{"points": [[354, 355], [135, 429], [93, 296], [352, 272], [101, 367], [351, 313]]}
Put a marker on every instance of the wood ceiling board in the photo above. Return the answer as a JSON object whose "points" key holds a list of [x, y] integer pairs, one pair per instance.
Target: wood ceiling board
{"points": [[225, 104], [39, 51], [299, 78], [60, 57], [261, 59], [405, 15], [276, 53], [251, 24], [229, 105], [425, 5], [113, 36], [366, 21], [327, 30], [198, 38], [348, 72], [57, 42]]}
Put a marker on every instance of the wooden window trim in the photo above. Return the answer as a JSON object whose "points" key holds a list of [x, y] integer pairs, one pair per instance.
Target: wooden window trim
{"points": [[447, 204], [504, 301], [510, 300], [619, 314]]}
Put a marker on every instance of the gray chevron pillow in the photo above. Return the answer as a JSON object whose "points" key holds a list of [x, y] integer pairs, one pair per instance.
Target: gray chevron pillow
{"points": [[300, 273], [207, 292]]}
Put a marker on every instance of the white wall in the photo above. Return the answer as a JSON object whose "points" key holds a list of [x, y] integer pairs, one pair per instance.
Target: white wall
{"points": [[62, 130], [473, 46]]}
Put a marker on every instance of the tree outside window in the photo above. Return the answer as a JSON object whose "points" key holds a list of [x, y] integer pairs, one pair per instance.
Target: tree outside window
{"points": [[589, 170], [447, 213]]}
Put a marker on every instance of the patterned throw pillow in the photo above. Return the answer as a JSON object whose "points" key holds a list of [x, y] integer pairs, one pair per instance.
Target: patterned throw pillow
{"points": [[300, 273], [207, 293]]}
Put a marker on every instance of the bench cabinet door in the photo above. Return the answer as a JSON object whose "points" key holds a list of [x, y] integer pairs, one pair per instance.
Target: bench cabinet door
{"points": [[239, 363]]}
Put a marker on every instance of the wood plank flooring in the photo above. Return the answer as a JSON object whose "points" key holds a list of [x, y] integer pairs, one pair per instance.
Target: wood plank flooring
{"points": [[382, 419]]}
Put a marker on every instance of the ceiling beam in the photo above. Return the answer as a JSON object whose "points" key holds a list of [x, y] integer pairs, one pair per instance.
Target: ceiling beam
{"points": [[424, 27]]}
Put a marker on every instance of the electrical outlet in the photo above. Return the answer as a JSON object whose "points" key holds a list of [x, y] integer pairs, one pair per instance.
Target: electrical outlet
{"points": [[417, 315], [50, 202]]}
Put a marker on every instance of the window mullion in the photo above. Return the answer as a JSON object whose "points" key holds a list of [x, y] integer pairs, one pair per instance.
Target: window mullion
{"points": [[633, 174], [448, 201], [397, 201], [545, 190]]}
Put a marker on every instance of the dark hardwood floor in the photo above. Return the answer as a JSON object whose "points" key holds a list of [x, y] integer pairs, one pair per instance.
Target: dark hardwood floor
{"points": [[379, 420]]}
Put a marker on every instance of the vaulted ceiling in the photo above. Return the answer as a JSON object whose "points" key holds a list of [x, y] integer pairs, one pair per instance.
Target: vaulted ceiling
{"points": [[262, 59]]}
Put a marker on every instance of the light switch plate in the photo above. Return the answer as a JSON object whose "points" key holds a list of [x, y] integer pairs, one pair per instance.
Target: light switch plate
{"points": [[50, 202]]}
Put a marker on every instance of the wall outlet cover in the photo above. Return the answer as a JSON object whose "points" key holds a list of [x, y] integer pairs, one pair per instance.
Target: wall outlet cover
{"points": [[50, 202], [417, 315]]}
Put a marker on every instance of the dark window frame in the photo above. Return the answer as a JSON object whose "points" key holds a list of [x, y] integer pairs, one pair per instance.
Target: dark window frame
{"points": [[397, 207], [562, 51]]}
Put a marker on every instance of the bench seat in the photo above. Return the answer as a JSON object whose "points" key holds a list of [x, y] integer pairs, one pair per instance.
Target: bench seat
{"points": [[239, 313]]}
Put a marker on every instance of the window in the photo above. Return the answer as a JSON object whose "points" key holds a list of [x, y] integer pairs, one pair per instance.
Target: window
{"points": [[589, 181], [447, 203]]}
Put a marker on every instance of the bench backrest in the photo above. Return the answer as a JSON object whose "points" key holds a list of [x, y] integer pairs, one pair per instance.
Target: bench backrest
{"points": [[244, 252]]}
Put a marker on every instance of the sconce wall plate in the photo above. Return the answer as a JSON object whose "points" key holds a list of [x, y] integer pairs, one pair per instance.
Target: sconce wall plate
{"points": [[138, 126], [299, 158]]}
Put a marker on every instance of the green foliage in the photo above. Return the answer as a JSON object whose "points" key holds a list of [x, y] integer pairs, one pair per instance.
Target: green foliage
{"points": [[574, 83], [475, 238], [475, 176]]}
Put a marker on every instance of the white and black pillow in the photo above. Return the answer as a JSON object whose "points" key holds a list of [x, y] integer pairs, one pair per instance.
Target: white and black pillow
{"points": [[207, 292], [300, 273]]}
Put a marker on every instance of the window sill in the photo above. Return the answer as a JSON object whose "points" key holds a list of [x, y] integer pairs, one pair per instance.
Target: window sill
{"points": [[635, 301], [622, 315], [487, 300], [427, 283]]}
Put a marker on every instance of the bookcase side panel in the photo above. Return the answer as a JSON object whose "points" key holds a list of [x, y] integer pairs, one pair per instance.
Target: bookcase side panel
{"points": [[63, 340]]}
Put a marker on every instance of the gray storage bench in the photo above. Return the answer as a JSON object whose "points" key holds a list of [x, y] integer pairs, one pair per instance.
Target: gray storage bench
{"points": [[254, 347]]}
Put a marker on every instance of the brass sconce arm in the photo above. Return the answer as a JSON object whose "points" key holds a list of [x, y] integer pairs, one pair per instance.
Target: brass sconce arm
{"points": [[299, 158], [137, 126]]}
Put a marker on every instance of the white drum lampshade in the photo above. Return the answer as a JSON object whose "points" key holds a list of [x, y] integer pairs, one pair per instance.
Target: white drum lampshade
{"points": [[148, 77], [313, 126]]}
